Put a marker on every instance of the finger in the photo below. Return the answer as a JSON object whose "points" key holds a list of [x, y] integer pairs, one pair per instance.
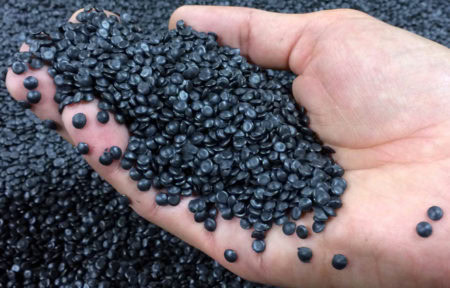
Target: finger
{"points": [[268, 39], [46, 108]]}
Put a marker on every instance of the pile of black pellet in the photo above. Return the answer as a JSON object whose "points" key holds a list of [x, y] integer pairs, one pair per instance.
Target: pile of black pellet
{"points": [[60, 224], [202, 120]]}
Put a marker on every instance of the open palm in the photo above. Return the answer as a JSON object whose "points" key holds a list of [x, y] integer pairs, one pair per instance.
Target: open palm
{"points": [[377, 94]]}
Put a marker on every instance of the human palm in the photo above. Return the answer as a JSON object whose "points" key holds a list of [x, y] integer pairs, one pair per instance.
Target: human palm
{"points": [[377, 94]]}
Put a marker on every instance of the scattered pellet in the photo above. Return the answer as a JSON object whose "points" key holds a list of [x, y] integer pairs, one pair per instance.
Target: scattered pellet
{"points": [[33, 96], [83, 148], [302, 231], [339, 261], [424, 229], [230, 255], [106, 158], [102, 117], [258, 245], [30, 83], [79, 120], [304, 254], [435, 213]]}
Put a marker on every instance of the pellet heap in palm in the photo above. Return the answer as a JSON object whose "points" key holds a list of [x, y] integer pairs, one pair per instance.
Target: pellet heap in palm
{"points": [[203, 121]]}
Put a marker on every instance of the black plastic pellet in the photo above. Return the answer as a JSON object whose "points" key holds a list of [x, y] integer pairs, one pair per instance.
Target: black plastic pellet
{"points": [[318, 226], [50, 124], [106, 158], [161, 199], [301, 231], [245, 224], [145, 184], [424, 229], [36, 63], [304, 254], [296, 213], [24, 104], [258, 234], [79, 120], [289, 228], [230, 255], [18, 67], [102, 117], [173, 200], [279, 147], [258, 245], [30, 83], [210, 224], [339, 261], [83, 148], [33, 96], [435, 213], [116, 152]]}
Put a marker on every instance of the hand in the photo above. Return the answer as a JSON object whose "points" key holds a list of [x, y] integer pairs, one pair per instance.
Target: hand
{"points": [[377, 94]]}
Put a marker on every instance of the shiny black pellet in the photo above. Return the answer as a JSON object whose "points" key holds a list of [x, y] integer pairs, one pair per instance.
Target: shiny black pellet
{"points": [[289, 228], [258, 245], [301, 231], [30, 83], [173, 200], [24, 104], [102, 117], [161, 199], [18, 67], [82, 148], [339, 261], [50, 124], [36, 63], [296, 213], [245, 224], [116, 152], [304, 254], [79, 120], [210, 224], [230, 255], [435, 213], [33, 96], [106, 158], [424, 229], [318, 226]]}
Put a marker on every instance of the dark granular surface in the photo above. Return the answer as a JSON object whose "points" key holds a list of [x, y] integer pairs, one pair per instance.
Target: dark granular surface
{"points": [[62, 225]]}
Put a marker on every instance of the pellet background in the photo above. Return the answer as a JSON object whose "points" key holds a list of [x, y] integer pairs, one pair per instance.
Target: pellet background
{"points": [[60, 224]]}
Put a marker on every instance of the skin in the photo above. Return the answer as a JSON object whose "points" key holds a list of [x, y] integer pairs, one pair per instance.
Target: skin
{"points": [[377, 94]]}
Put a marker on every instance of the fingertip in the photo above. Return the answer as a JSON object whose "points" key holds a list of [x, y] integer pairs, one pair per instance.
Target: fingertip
{"points": [[179, 14], [73, 18]]}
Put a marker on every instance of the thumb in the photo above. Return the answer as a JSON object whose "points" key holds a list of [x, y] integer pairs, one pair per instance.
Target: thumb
{"points": [[268, 39]]}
